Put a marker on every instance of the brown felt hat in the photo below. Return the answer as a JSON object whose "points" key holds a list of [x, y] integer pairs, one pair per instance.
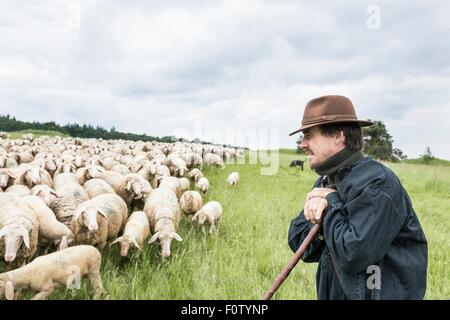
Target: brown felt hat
{"points": [[329, 109]]}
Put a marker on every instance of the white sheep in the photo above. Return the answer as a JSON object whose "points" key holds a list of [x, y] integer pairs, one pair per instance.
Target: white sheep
{"points": [[70, 196], [130, 187], [19, 189], [211, 213], [100, 219], [51, 231], [163, 212], [191, 202], [184, 184], [19, 227], [96, 187], [212, 159], [45, 193], [137, 230], [203, 185], [32, 175], [61, 268], [171, 183], [233, 179], [195, 174]]}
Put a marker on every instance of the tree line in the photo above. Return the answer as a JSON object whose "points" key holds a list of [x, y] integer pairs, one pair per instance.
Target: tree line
{"points": [[8, 124]]}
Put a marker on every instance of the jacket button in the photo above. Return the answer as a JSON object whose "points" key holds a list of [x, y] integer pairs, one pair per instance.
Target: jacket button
{"points": [[321, 238]]}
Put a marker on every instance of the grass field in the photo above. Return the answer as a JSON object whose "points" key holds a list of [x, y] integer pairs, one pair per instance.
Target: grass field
{"points": [[36, 133], [251, 248]]}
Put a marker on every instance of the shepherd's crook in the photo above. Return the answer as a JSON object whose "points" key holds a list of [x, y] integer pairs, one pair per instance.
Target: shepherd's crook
{"points": [[292, 263]]}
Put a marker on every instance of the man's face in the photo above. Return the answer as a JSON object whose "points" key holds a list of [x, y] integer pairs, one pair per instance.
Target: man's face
{"points": [[320, 147]]}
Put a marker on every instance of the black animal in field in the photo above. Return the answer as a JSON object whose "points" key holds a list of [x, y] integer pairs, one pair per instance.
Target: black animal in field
{"points": [[295, 163]]}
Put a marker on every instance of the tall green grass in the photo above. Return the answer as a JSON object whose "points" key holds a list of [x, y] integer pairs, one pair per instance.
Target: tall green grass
{"points": [[251, 248]]}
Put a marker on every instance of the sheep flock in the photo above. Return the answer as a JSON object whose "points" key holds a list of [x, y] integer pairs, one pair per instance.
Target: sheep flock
{"points": [[62, 200]]}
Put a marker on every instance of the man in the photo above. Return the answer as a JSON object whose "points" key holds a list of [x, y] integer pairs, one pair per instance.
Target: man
{"points": [[371, 244]]}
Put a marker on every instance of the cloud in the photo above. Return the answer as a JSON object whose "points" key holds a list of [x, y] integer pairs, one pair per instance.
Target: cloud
{"points": [[163, 67]]}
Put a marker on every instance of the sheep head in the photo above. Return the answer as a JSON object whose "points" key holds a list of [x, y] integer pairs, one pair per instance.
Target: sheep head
{"points": [[15, 235], [125, 242], [88, 217], [165, 239]]}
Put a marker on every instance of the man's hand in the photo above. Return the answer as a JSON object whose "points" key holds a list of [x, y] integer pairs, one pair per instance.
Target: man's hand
{"points": [[314, 208], [319, 193]]}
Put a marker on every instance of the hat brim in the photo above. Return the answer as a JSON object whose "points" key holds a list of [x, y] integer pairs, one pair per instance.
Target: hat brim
{"points": [[361, 123]]}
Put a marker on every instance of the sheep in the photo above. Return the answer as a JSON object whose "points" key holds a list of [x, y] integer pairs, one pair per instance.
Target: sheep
{"points": [[20, 190], [70, 195], [173, 184], [161, 171], [32, 175], [45, 193], [6, 177], [195, 174], [211, 212], [130, 187], [65, 167], [89, 172], [51, 231], [18, 226], [61, 268], [184, 184], [100, 219], [212, 159], [64, 179], [25, 157], [163, 212], [191, 202], [203, 185], [121, 169], [233, 179], [177, 166], [96, 187], [137, 230]]}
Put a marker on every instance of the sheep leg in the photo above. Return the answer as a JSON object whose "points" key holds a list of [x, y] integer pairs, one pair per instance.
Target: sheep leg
{"points": [[96, 283], [217, 226], [212, 227], [44, 293], [203, 229]]}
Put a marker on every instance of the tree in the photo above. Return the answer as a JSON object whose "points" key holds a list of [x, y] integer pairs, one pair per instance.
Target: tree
{"points": [[398, 155], [378, 142], [427, 156]]}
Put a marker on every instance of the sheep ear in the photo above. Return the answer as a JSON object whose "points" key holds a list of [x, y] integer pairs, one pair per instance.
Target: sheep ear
{"points": [[63, 244], [40, 193], [77, 214], [117, 240], [2, 232], [129, 185], [154, 237], [53, 192], [194, 217], [103, 213], [202, 219], [12, 174], [176, 236], [136, 245], [26, 238], [9, 290]]}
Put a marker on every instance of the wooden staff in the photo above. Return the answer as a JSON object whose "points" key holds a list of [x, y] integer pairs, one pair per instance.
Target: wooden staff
{"points": [[292, 263]]}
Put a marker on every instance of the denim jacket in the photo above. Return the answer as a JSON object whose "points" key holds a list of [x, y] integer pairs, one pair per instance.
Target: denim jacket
{"points": [[371, 244]]}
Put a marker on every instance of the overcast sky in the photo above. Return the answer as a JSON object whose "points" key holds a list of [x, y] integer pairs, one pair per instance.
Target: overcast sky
{"points": [[186, 67]]}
